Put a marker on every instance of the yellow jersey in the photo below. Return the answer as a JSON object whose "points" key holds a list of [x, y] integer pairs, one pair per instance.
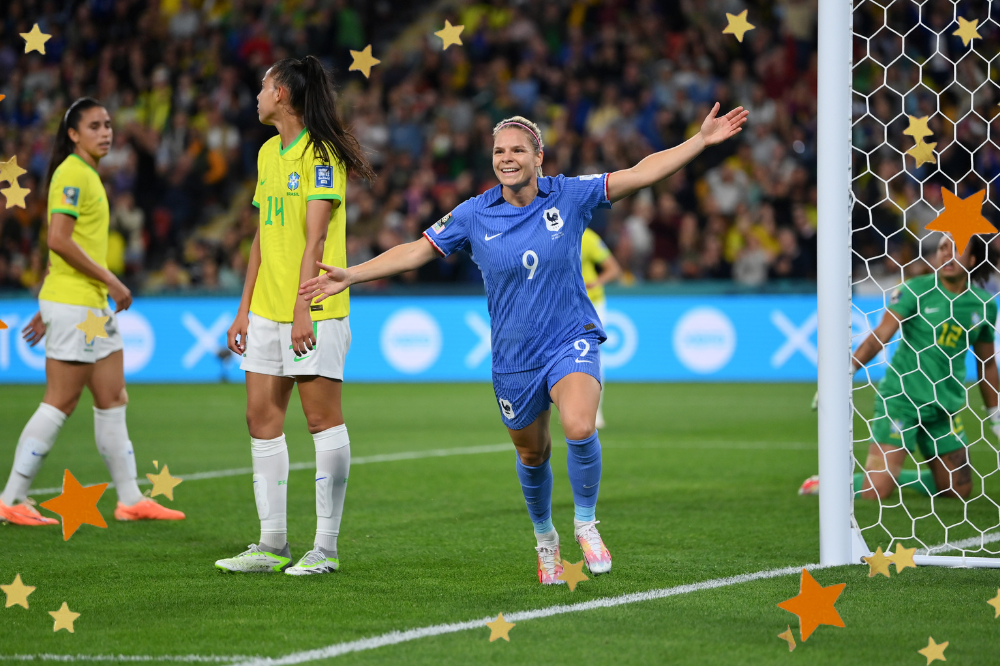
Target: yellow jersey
{"points": [[593, 253], [76, 190], [287, 179]]}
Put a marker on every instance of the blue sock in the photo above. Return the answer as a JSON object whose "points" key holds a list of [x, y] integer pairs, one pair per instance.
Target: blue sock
{"points": [[536, 484], [584, 465]]}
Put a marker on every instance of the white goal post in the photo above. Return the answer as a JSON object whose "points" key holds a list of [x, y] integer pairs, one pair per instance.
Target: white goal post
{"points": [[842, 541]]}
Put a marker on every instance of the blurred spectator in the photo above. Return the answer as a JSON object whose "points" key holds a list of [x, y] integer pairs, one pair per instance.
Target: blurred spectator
{"points": [[608, 82]]}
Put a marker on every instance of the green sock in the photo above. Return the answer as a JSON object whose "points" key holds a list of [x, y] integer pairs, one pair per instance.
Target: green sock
{"points": [[926, 487]]}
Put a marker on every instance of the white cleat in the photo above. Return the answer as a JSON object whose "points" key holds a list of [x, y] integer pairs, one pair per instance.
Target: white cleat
{"points": [[314, 562], [595, 554], [257, 560]]}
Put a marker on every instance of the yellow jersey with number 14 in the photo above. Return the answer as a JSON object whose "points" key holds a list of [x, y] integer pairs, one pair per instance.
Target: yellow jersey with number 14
{"points": [[287, 179], [76, 190], [593, 253]]}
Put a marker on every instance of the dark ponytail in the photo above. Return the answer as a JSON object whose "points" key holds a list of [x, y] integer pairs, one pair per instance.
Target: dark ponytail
{"points": [[312, 94], [64, 146], [982, 268]]}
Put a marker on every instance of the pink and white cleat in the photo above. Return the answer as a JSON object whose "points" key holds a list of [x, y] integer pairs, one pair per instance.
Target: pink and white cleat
{"points": [[549, 564], [595, 554]]}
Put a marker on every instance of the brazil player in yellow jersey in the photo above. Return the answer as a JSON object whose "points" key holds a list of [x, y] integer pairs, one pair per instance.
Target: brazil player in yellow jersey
{"points": [[284, 340], [599, 268], [76, 290], [917, 403]]}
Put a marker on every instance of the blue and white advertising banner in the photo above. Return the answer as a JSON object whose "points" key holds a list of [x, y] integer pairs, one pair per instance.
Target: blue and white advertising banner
{"points": [[447, 338]]}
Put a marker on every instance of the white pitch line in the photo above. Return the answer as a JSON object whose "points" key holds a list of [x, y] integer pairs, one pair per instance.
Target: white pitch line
{"points": [[358, 460], [961, 544], [396, 637], [124, 657]]}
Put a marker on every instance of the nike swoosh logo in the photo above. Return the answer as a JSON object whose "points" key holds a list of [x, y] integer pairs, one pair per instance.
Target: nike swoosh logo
{"points": [[37, 454], [300, 358], [263, 181], [930, 310], [321, 478], [493, 236], [579, 361], [588, 487]]}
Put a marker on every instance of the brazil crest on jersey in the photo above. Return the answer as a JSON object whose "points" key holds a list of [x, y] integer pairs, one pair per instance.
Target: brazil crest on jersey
{"points": [[287, 180], [530, 259]]}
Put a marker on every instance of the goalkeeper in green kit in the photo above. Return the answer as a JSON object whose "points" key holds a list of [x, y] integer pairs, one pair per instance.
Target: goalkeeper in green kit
{"points": [[917, 403]]}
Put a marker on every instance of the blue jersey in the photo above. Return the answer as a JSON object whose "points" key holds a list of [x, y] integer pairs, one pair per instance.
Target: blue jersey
{"points": [[530, 259]]}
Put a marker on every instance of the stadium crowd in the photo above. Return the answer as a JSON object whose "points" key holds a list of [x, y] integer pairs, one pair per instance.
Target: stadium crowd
{"points": [[609, 81]]}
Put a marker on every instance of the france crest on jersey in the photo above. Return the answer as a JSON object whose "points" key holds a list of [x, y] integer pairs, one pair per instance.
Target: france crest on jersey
{"points": [[530, 259]]}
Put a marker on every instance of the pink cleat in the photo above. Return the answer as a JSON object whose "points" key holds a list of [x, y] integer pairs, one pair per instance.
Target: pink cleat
{"points": [[594, 552], [549, 564]]}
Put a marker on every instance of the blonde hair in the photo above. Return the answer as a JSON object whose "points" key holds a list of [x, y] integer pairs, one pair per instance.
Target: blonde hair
{"points": [[525, 125]]}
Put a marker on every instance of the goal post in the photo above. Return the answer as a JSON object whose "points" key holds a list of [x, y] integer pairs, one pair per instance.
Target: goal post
{"points": [[952, 532]]}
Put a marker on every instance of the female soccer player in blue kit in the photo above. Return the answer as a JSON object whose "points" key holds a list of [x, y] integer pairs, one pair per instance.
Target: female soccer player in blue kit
{"points": [[525, 235]]}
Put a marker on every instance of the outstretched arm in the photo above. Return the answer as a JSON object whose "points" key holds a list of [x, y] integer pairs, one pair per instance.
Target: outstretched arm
{"points": [[396, 260], [877, 341], [658, 166]]}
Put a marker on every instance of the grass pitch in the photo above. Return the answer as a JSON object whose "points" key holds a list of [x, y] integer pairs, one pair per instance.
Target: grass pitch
{"points": [[699, 483]]}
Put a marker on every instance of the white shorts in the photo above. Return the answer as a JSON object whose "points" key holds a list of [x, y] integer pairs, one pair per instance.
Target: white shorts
{"points": [[602, 311], [269, 349], [65, 342]]}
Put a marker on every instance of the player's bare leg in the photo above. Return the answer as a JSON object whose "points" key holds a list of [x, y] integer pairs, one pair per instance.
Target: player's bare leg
{"points": [[885, 461], [321, 402], [953, 473], [577, 395]]}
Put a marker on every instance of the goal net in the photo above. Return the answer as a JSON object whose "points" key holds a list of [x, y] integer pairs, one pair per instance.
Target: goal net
{"points": [[923, 97]]}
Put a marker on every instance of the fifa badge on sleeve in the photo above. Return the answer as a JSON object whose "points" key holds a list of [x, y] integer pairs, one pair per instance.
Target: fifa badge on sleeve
{"points": [[71, 196], [324, 176]]}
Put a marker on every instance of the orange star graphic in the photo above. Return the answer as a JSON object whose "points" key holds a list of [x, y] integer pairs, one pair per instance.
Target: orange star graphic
{"points": [[2, 325], [814, 605], [77, 505], [962, 218]]}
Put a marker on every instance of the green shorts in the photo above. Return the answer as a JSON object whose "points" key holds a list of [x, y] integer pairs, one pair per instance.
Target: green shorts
{"points": [[935, 431]]}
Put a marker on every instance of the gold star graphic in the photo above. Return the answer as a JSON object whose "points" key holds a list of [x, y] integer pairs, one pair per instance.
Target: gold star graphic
{"points": [[995, 602], [17, 592], [93, 326], [15, 195], [738, 25], [499, 628], [450, 34], [903, 558], [933, 651], [923, 153], [64, 618], [814, 605], [962, 218], [363, 61], [35, 40], [967, 30], [877, 564], [3, 97], [572, 574], [9, 171], [77, 505], [787, 635], [163, 483], [918, 128]]}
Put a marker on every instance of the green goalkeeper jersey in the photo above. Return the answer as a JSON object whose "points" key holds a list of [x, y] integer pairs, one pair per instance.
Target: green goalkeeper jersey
{"points": [[938, 326]]}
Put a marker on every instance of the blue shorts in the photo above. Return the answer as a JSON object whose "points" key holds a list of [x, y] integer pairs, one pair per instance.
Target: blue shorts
{"points": [[522, 396]]}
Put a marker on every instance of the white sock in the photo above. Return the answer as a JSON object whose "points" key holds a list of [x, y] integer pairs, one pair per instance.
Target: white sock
{"points": [[547, 539], [270, 489], [37, 439], [333, 466], [115, 447]]}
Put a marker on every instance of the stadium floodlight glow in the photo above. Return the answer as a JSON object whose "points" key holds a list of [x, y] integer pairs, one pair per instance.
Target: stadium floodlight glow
{"points": [[878, 64]]}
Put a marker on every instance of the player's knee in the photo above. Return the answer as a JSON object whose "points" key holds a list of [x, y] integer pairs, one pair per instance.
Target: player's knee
{"points": [[579, 426], [261, 425], [533, 458], [111, 399]]}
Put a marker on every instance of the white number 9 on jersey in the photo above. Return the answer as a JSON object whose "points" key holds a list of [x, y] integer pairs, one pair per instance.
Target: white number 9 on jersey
{"points": [[533, 265]]}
